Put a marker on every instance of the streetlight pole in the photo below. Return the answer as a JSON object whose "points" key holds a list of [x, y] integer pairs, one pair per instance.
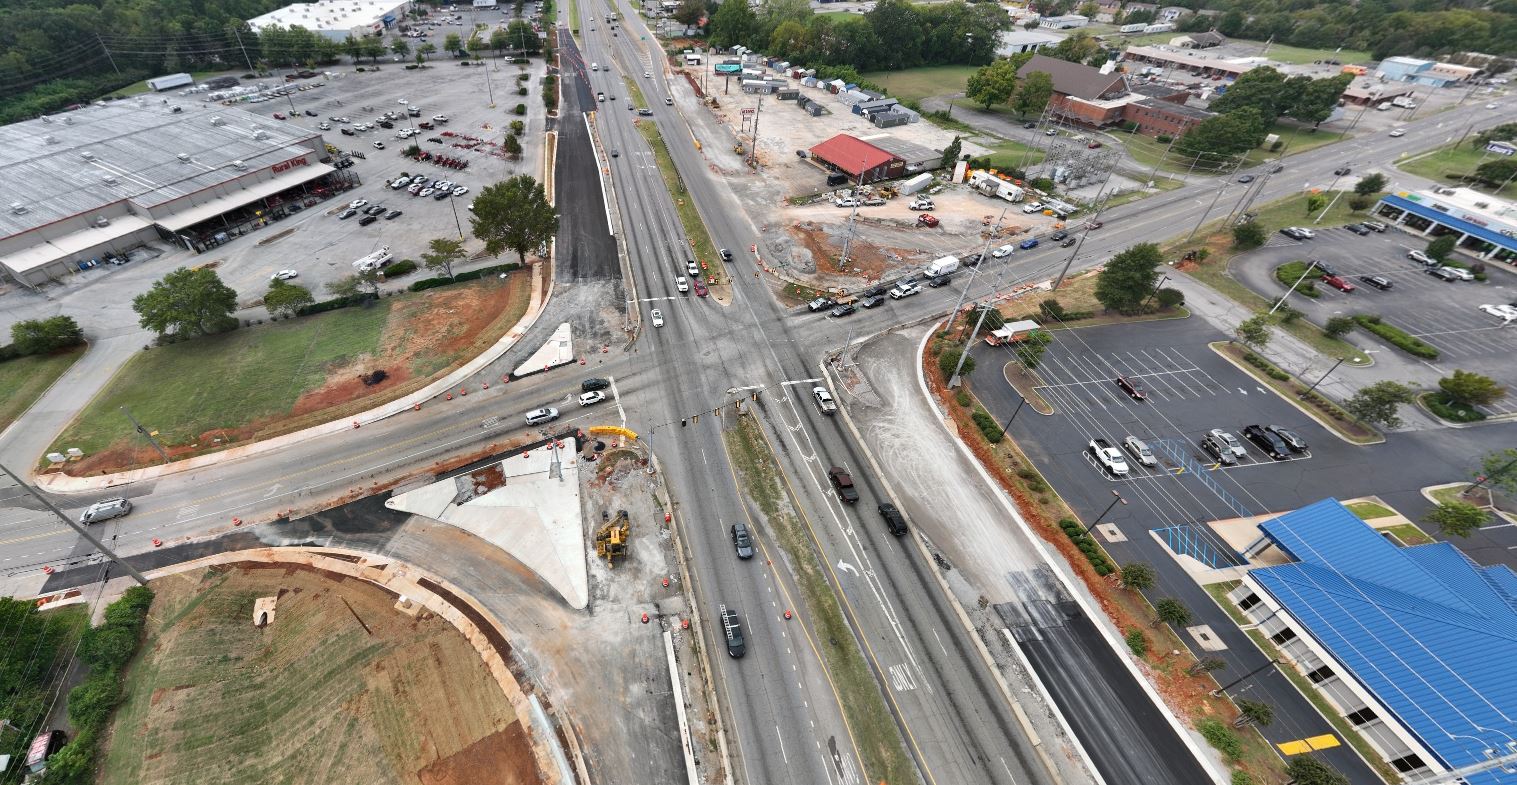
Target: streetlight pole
{"points": [[77, 527], [1114, 502], [1007, 428], [1325, 375], [1218, 691], [1309, 269]]}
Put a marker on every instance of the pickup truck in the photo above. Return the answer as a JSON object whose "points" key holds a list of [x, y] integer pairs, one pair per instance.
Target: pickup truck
{"points": [[844, 483], [1108, 456], [824, 400]]}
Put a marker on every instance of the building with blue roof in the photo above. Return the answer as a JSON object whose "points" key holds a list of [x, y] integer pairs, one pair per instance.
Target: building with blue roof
{"points": [[1486, 226], [1414, 646]]}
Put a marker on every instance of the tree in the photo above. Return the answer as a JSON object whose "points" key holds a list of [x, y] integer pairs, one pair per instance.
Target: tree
{"points": [[518, 127], [1216, 139], [90, 703], [353, 47], [1034, 93], [1494, 173], [991, 85], [898, 26], [1171, 611], [1307, 770], [108, 646], [1138, 576], [40, 336], [499, 41], [949, 360], [1030, 350], [1254, 713], [426, 49], [1254, 332], [1129, 278], [690, 12], [442, 253], [363, 282], [373, 48], [1260, 89], [1370, 184], [453, 43], [1247, 236], [400, 47], [1076, 48], [1471, 389], [1206, 665], [1377, 403], [1313, 100], [1169, 297], [1457, 518], [187, 302], [1315, 202], [1499, 470], [1441, 248], [1338, 326], [515, 215], [512, 145], [285, 298], [951, 152], [733, 23]]}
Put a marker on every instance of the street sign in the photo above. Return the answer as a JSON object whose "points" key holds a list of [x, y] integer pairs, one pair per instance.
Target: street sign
{"points": [[1500, 148]]}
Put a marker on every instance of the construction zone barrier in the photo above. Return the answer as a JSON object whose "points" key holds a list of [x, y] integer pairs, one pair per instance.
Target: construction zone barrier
{"points": [[787, 614], [416, 407], [462, 391], [485, 386], [668, 517], [684, 624], [645, 618], [236, 521], [666, 582], [581, 361], [450, 396], [157, 542], [47, 570], [355, 425]]}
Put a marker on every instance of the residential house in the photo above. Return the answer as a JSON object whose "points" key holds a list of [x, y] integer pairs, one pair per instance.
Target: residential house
{"points": [[1018, 41]]}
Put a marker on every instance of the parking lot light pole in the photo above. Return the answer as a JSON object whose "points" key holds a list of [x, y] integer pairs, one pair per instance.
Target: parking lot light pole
{"points": [[1114, 502], [1014, 414], [1224, 688], [1309, 269], [1325, 375]]}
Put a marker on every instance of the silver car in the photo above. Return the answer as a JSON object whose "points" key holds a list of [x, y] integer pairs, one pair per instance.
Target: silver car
{"points": [[540, 416], [1140, 451], [1229, 441], [106, 510]]}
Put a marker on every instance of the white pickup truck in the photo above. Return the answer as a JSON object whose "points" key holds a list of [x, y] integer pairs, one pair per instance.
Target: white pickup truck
{"points": [[1109, 457], [824, 400]]}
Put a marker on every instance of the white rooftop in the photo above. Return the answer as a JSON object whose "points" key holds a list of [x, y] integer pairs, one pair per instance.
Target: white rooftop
{"points": [[77, 162], [327, 14]]}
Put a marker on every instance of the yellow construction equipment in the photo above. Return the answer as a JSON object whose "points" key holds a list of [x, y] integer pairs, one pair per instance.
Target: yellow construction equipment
{"points": [[611, 540]]}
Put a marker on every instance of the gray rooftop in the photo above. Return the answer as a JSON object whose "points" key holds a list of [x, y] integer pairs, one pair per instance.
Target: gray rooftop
{"points": [[910, 152], [64, 160], [1181, 110]]}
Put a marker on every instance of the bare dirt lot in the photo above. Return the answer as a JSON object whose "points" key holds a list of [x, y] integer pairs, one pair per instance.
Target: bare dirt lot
{"points": [[340, 687]]}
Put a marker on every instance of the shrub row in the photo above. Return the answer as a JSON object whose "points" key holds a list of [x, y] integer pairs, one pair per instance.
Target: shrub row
{"points": [[1222, 737], [1289, 272], [988, 426], [1396, 336], [1137, 643], [1035, 481], [472, 275], [402, 267], [1440, 405], [1266, 366], [333, 304], [1326, 406], [1087, 546]]}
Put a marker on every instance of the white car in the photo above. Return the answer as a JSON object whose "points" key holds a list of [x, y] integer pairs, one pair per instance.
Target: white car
{"points": [[904, 291], [647, 74], [324, 125], [415, 189], [1004, 251], [1032, 208], [658, 317], [400, 183], [460, 191], [847, 203], [402, 101], [357, 203], [1398, 132], [427, 192], [682, 284], [591, 397], [285, 275], [1506, 312], [379, 145], [439, 118]]}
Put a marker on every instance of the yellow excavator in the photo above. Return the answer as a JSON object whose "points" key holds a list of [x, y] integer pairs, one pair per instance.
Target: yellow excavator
{"points": [[611, 540]]}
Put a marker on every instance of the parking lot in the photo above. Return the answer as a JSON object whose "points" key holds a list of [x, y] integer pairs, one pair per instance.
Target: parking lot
{"points": [[1189, 391], [1444, 314]]}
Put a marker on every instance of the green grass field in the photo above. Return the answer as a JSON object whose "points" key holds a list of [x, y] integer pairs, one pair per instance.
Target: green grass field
{"points": [[224, 381], [917, 83], [1369, 510], [1010, 154], [24, 379], [1455, 160], [1147, 150]]}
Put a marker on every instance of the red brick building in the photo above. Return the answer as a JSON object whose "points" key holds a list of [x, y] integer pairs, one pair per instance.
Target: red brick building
{"points": [[1087, 97]]}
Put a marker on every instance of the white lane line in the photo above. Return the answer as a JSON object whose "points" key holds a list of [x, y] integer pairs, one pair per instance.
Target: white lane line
{"points": [[781, 737]]}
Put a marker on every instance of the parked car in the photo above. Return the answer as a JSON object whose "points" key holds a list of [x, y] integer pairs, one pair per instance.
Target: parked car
{"points": [[278, 116], [843, 482], [1272, 445], [1221, 452], [1133, 388], [374, 210], [378, 145], [367, 219], [819, 304], [1340, 283], [1229, 440], [591, 398], [1032, 207], [1093, 224], [1140, 451], [1297, 233], [1378, 281], [346, 214], [105, 510], [1375, 226], [1505, 312], [1294, 442], [904, 291], [842, 310], [1444, 273], [1359, 229], [1004, 251], [285, 275], [894, 520], [926, 219], [1059, 235], [1421, 258], [1459, 273], [392, 215], [938, 280], [871, 301]]}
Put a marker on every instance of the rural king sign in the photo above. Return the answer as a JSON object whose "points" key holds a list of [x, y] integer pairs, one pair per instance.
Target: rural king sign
{"points": [[290, 164]]}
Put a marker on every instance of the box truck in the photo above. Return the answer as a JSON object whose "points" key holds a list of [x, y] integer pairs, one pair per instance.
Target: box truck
{"points": [[943, 266]]}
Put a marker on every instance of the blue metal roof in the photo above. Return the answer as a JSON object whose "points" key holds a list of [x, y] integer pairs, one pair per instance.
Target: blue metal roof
{"points": [[1432, 634], [1474, 230]]}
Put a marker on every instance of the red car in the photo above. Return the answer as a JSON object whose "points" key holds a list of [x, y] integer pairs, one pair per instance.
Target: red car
{"points": [[1094, 224], [278, 116], [1338, 282], [1094, 145], [699, 286], [1133, 389], [926, 219]]}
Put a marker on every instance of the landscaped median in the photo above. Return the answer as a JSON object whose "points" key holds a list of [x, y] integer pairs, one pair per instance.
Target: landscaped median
{"points": [[218, 391], [690, 218]]}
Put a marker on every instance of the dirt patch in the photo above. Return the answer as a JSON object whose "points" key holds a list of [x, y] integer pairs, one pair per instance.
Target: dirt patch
{"points": [[865, 259], [340, 686]]}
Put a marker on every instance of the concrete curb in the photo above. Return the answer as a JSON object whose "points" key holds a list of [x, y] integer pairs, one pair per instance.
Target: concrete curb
{"points": [[541, 294], [1076, 589]]}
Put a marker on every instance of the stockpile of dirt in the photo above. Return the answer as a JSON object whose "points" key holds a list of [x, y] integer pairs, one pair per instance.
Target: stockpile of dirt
{"points": [[340, 687]]}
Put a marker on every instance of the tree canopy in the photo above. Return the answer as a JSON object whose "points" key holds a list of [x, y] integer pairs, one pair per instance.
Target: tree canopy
{"points": [[1033, 93], [40, 336], [514, 215], [1217, 139], [1376, 403], [992, 84], [1471, 389], [1129, 278], [187, 302], [285, 298]]}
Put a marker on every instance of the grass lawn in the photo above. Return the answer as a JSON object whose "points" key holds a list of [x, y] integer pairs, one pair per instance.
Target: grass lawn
{"points": [[1297, 140], [690, 218], [573, 15], [1009, 154], [1455, 160], [24, 379], [1367, 511], [1147, 151], [914, 84], [141, 87], [256, 382], [1408, 534], [635, 94], [869, 720]]}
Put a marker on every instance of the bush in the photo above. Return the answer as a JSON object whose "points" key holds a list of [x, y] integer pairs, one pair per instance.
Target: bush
{"points": [[402, 267], [1222, 737], [1265, 365], [1360, 203], [1164, 138], [988, 426], [333, 304], [472, 275], [1170, 298], [1440, 404], [1290, 272], [1053, 309], [1137, 643], [1247, 236], [963, 398], [1396, 337], [949, 360], [42, 336], [1338, 326], [521, 91], [1035, 481], [520, 109]]}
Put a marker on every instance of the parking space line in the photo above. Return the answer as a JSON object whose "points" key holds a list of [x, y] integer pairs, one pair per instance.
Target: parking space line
{"points": [[1137, 369], [1177, 386]]}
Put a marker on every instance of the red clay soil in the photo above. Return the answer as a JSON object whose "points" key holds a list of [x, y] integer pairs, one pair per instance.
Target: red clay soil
{"points": [[870, 260], [503, 757]]}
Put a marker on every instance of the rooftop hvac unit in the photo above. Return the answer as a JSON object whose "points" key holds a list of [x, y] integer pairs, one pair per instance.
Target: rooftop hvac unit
{"points": [[102, 222], [183, 157], [239, 165], [18, 208], [87, 155], [110, 179], [217, 120]]}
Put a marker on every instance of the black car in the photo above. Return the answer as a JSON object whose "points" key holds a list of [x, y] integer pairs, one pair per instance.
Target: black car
{"points": [[1342, 170], [1248, 178], [726, 255], [733, 627], [1272, 445], [1324, 267], [591, 385], [375, 210], [1068, 241], [348, 132], [1359, 229], [392, 215], [1221, 452], [310, 113], [973, 260], [1059, 235], [894, 520], [937, 280], [1294, 442], [742, 542], [386, 124], [1278, 168], [368, 219], [871, 301], [441, 195], [1378, 281], [346, 214], [842, 310]]}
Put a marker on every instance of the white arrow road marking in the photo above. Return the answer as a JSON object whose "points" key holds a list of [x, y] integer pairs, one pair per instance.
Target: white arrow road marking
{"points": [[846, 567]]}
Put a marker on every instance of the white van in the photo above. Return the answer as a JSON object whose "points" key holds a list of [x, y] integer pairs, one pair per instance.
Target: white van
{"points": [[595, 66]]}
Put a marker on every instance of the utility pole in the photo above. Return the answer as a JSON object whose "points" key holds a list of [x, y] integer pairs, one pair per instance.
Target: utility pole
{"points": [[138, 427], [245, 57], [107, 54], [848, 239], [77, 527], [1209, 207], [1308, 271], [753, 152]]}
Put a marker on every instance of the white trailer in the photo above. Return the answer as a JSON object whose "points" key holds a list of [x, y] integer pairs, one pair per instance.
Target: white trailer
{"points": [[916, 183], [160, 83], [990, 185]]}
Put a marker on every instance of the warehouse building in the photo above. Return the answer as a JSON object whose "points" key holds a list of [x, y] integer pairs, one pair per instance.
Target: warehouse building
{"points": [[1411, 645], [108, 178], [1171, 59], [336, 19], [861, 161]]}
